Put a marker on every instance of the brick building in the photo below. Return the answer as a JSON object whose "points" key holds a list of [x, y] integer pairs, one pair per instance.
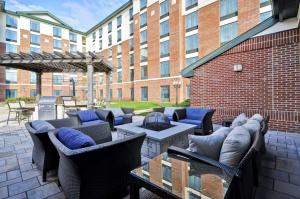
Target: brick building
{"points": [[149, 42]]}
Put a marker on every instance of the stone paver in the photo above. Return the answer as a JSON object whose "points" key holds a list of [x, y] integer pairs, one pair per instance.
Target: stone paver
{"points": [[20, 179]]}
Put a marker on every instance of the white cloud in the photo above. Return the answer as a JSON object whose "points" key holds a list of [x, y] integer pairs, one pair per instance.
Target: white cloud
{"points": [[18, 6]]}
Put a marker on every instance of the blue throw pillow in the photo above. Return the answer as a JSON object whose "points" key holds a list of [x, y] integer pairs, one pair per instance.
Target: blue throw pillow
{"points": [[87, 115], [42, 126], [74, 139]]}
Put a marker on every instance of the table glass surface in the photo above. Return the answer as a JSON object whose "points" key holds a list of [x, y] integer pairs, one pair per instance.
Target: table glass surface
{"points": [[184, 177]]}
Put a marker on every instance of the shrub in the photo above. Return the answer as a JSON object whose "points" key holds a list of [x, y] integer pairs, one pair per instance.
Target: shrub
{"points": [[25, 99]]}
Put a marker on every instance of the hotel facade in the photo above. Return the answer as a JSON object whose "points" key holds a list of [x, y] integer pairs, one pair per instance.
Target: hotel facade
{"points": [[148, 41]]}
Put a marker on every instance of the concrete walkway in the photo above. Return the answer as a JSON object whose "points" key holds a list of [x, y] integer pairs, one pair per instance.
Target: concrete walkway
{"points": [[19, 178]]}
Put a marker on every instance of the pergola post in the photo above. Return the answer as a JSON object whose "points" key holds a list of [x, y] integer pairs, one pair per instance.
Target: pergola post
{"points": [[107, 100], [90, 79], [38, 86]]}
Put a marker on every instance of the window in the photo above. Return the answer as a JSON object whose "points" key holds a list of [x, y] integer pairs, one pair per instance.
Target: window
{"points": [[164, 49], [101, 79], [34, 26], [191, 21], [34, 39], [119, 35], [110, 52], [165, 69], [131, 59], [194, 182], [32, 78], [11, 21], [10, 48], [100, 32], [190, 4], [228, 32], [109, 40], [190, 60], [143, 37], [110, 93], [73, 48], [166, 173], [57, 92], [11, 93], [165, 93], [144, 93], [132, 74], [131, 44], [109, 27], [132, 94], [57, 78], [119, 93], [101, 93], [164, 9], [188, 91], [228, 8], [144, 55], [143, 4], [119, 76], [191, 43], [265, 15], [73, 37], [11, 75], [130, 14], [131, 29], [164, 28], [143, 20], [144, 72], [94, 36], [56, 32], [35, 49], [119, 62], [56, 44], [110, 78], [193, 196], [264, 3], [100, 45], [119, 21], [11, 35], [32, 92], [119, 49]]}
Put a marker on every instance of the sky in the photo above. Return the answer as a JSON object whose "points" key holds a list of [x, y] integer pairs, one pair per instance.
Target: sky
{"points": [[79, 14]]}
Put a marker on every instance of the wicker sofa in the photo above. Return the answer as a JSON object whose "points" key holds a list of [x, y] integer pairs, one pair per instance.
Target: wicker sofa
{"points": [[44, 154], [202, 117], [99, 171], [120, 115]]}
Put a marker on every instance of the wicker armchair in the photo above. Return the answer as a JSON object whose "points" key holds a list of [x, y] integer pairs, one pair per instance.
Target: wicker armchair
{"points": [[124, 119], [99, 171], [172, 117], [44, 154]]}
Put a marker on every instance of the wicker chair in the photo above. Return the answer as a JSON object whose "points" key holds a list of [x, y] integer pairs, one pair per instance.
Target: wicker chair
{"points": [[44, 154], [124, 119], [99, 171], [162, 110]]}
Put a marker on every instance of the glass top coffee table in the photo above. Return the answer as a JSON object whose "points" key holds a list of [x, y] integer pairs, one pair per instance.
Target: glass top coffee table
{"points": [[175, 176]]}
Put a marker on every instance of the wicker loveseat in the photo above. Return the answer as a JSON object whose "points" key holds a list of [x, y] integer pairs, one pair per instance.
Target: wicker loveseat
{"points": [[121, 115], [99, 171]]}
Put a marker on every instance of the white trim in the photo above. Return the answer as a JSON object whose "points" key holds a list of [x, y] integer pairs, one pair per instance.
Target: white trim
{"points": [[186, 12], [265, 9], [145, 63], [191, 33], [144, 46], [144, 10], [119, 69], [131, 52], [166, 182], [228, 21], [143, 80], [131, 67], [164, 19], [164, 39], [119, 56], [164, 59], [195, 54], [143, 28]]}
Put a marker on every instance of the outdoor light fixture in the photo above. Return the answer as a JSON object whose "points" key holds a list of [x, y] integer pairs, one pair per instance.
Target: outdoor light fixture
{"points": [[176, 84], [237, 67]]}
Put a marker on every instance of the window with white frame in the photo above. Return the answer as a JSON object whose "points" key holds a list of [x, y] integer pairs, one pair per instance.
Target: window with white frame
{"points": [[143, 20], [100, 32], [11, 22], [143, 37], [131, 59], [57, 78], [165, 93], [119, 76], [11, 35], [73, 48], [119, 93], [35, 49], [164, 8], [109, 40], [191, 43], [34, 26], [190, 4], [191, 21], [119, 33], [119, 21], [189, 61], [11, 48], [119, 49], [165, 69], [109, 27], [56, 44], [34, 39], [143, 4], [73, 37], [130, 14], [131, 29], [57, 32], [32, 77], [228, 8], [164, 28], [265, 15], [144, 93], [164, 49], [144, 72], [144, 54], [11, 75], [131, 44], [228, 32], [120, 62]]}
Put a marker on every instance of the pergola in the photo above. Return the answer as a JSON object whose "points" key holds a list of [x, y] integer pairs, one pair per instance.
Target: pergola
{"points": [[57, 62]]}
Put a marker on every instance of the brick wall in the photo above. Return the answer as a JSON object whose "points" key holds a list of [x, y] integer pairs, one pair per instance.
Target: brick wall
{"points": [[269, 83]]}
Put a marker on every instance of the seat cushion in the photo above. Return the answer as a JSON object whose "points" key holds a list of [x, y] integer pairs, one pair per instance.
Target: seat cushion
{"points": [[116, 111], [42, 126], [119, 120], [252, 126], [239, 120], [257, 117], [74, 139], [170, 118], [234, 147], [93, 122], [209, 145], [195, 122], [196, 113], [223, 130], [87, 115]]}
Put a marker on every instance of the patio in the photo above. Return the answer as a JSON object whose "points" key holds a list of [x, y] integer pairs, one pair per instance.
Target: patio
{"points": [[19, 178]]}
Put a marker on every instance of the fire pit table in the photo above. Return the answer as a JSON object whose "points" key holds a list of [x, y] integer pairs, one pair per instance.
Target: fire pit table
{"points": [[157, 141]]}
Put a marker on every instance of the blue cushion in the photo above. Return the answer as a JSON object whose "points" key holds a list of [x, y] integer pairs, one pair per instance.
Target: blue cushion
{"points": [[93, 122], [74, 139], [195, 122], [170, 118], [42, 126], [87, 115], [196, 113], [118, 120]]}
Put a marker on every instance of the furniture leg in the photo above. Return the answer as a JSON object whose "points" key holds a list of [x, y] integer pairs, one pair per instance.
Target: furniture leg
{"points": [[134, 191], [8, 117]]}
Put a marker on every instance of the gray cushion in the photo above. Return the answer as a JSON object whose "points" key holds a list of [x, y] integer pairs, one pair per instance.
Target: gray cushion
{"points": [[239, 120], [252, 126], [257, 117], [235, 146], [169, 111], [224, 130], [42, 126], [116, 111], [208, 145]]}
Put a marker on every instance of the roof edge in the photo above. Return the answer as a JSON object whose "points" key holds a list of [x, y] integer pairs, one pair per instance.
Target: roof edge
{"points": [[189, 70]]}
